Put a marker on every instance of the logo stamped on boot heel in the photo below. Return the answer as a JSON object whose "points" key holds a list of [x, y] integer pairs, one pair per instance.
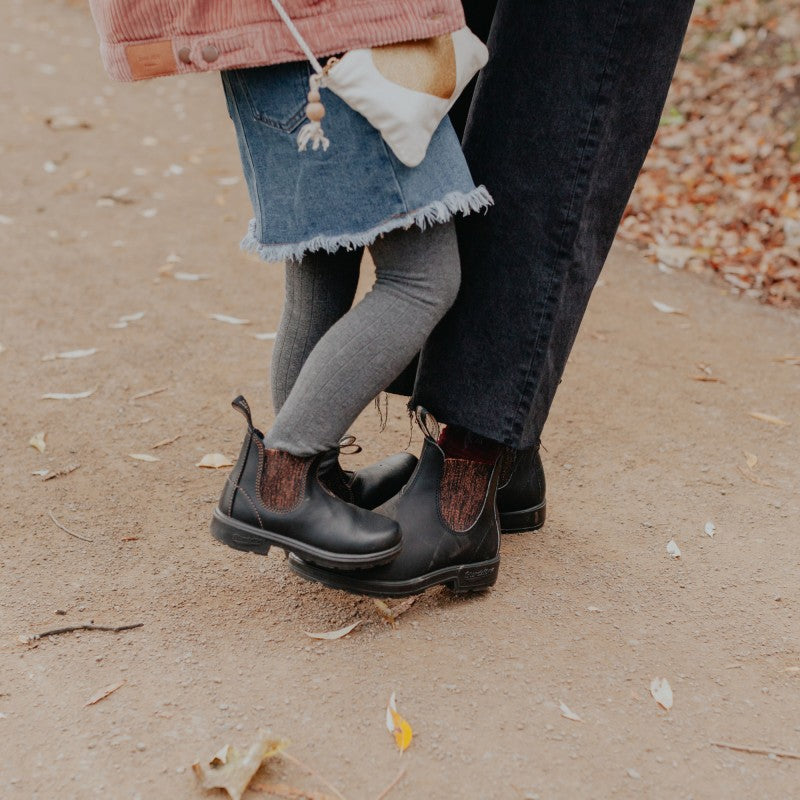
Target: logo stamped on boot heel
{"points": [[477, 574]]}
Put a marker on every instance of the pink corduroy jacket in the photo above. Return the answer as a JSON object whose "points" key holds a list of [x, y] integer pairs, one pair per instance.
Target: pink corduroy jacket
{"points": [[148, 38]]}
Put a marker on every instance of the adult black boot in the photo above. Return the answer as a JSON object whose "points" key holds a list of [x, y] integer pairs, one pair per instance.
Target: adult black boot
{"points": [[370, 486], [521, 496], [451, 532], [274, 498]]}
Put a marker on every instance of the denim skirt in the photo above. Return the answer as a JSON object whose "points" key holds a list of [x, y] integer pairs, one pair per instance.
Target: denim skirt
{"points": [[342, 197]]}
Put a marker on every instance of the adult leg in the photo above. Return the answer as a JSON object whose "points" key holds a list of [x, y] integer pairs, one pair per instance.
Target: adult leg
{"points": [[562, 118]]}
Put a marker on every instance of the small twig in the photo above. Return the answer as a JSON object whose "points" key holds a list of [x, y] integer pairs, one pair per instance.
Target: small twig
{"points": [[150, 393], [291, 792], [88, 626], [385, 792], [67, 530], [760, 751], [313, 772], [165, 442], [59, 473]]}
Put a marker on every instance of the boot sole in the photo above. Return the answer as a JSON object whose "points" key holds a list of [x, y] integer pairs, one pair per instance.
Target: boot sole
{"points": [[241, 536], [461, 579], [528, 519]]}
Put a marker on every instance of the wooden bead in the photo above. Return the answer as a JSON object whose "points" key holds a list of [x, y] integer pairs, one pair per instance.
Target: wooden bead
{"points": [[315, 111], [314, 96]]}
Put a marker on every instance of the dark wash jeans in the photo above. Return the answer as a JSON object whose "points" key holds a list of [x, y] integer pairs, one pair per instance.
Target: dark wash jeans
{"points": [[558, 128]]}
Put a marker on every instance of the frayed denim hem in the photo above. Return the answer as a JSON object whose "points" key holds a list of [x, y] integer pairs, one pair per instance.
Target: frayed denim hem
{"points": [[442, 210]]}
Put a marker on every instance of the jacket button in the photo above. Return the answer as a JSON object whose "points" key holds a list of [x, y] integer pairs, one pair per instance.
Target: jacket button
{"points": [[184, 55], [210, 53]]}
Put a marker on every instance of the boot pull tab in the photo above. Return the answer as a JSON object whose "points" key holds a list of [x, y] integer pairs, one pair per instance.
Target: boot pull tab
{"points": [[348, 445], [242, 406], [427, 422]]}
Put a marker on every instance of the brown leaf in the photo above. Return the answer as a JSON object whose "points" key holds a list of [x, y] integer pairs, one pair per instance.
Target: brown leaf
{"points": [[232, 770], [103, 693], [391, 613]]}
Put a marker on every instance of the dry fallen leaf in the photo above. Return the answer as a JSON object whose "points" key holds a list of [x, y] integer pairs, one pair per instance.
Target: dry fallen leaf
{"points": [[214, 461], [768, 418], [103, 693], [230, 320], [710, 529], [143, 457], [190, 276], [265, 337], [64, 122], [754, 478], [70, 354], [59, 473], [126, 319], [391, 613], [751, 458], [149, 393], [567, 713], [232, 770], [662, 692], [331, 635], [673, 549], [67, 396], [37, 442], [665, 309], [165, 442], [398, 726]]}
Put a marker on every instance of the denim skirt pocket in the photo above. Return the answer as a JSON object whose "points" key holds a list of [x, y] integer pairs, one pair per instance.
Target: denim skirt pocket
{"points": [[277, 95]]}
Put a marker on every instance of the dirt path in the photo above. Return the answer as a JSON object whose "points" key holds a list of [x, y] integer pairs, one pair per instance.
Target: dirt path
{"points": [[586, 612]]}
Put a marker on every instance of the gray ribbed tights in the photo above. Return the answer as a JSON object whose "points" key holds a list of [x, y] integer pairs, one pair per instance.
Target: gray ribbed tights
{"points": [[330, 360]]}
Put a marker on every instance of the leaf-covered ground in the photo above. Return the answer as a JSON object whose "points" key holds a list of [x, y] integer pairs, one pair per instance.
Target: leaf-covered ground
{"points": [[720, 189]]}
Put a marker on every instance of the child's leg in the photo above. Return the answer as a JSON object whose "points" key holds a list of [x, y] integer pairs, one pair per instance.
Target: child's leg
{"points": [[319, 291], [417, 279]]}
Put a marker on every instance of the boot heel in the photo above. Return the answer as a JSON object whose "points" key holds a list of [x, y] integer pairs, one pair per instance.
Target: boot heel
{"points": [[238, 540], [528, 519], [475, 577]]}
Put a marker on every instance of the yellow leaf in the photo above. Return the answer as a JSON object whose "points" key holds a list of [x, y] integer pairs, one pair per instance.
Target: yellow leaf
{"points": [[751, 458], [232, 770], [398, 726]]}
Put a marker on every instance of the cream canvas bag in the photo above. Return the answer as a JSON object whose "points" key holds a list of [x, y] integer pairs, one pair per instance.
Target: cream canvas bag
{"points": [[404, 90]]}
